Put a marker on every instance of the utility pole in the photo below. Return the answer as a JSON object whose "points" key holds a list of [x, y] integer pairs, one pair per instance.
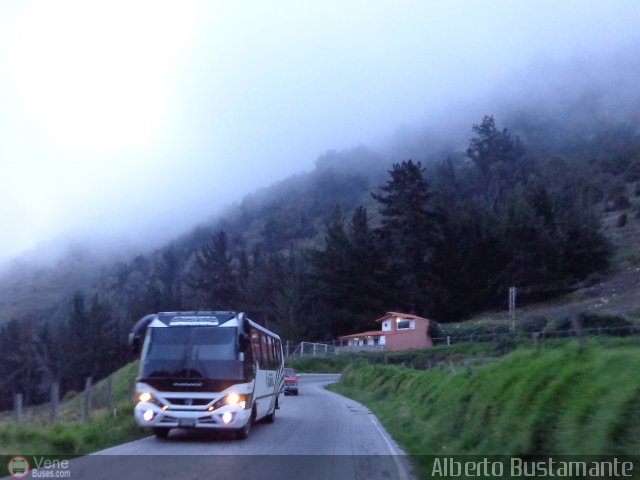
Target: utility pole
{"points": [[512, 307]]}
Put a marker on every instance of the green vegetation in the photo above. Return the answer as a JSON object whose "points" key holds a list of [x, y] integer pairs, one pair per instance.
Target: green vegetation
{"points": [[312, 257], [555, 401], [322, 364], [70, 435]]}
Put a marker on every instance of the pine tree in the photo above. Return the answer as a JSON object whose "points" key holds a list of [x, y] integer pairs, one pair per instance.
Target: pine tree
{"points": [[215, 278], [408, 231], [20, 365], [259, 277], [332, 282], [496, 154], [169, 273], [365, 270], [76, 348], [291, 300]]}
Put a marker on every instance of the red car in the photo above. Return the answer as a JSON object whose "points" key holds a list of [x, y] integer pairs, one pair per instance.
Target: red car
{"points": [[290, 382]]}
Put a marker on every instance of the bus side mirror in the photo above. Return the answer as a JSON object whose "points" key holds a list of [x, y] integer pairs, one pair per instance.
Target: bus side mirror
{"points": [[134, 343], [136, 332]]}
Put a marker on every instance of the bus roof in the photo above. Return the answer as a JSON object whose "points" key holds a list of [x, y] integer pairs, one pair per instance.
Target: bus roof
{"points": [[194, 318], [204, 318]]}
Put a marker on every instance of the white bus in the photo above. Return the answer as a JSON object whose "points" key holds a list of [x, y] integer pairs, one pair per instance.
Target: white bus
{"points": [[206, 369]]}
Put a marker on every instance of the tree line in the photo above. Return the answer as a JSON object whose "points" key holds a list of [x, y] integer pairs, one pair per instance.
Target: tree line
{"points": [[442, 240]]}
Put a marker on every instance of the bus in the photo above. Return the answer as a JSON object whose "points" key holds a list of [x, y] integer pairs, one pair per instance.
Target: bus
{"points": [[206, 370]]}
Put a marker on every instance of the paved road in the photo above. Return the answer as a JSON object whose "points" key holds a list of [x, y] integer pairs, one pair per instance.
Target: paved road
{"points": [[316, 435]]}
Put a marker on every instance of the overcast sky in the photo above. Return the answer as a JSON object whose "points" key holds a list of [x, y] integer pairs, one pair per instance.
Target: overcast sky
{"points": [[129, 117]]}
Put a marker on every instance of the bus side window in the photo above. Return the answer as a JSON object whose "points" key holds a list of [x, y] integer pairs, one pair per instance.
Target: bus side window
{"points": [[276, 354], [266, 354], [255, 345]]}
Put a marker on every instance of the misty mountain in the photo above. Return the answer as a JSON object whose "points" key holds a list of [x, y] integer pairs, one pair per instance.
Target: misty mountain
{"points": [[321, 253], [586, 124], [294, 212]]}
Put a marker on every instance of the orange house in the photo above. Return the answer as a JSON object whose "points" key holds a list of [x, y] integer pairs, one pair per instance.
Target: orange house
{"points": [[398, 331]]}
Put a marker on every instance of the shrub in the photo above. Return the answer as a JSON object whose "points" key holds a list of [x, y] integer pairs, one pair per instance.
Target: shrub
{"points": [[436, 333], [481, 330], [607, 324], [533, 323], [505, 344], [324, 363], [559, 327], [63, 439]]}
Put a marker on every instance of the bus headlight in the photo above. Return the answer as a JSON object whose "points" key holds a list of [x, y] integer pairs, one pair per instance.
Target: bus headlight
{"points": [[227, 417], [236, 399], [148, 415], [145, 397]]}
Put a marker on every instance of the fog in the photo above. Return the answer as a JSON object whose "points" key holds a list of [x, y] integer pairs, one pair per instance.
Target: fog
{"points": [[127, 122]]}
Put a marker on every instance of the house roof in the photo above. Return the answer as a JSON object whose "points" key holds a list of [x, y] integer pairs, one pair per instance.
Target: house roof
{"points": [[375, 333], [397, 314]]}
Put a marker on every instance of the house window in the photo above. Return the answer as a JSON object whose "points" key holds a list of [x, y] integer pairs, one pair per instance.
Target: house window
{"points": [[406, 325]]}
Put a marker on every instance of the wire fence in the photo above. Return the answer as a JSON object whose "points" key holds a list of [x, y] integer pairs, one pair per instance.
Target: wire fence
{"points": [[468, 359], [307, 349], [79, 406], [76, 406], [617, 331], [456, 358]]}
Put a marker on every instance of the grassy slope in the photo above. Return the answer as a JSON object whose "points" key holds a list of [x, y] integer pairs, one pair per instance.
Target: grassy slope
{"points": [[562, 400], [70, 435]]}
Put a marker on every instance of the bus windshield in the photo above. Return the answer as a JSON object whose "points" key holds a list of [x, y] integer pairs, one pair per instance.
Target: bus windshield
{"points": [[191, 352]]}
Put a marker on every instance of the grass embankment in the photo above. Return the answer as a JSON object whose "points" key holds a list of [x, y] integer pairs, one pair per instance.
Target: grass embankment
{"points": [[456, 353], [69, 435], [323, 364], [556, 401]]}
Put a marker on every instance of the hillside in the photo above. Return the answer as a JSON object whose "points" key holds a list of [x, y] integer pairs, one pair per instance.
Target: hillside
{"points": [[294, 212], [111, 422], [553, 402], [312, 255], [29, 287], [615, 293]]}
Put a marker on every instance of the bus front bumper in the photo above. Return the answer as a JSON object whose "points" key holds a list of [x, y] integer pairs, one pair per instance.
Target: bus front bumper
{"points": [[151, 415]]}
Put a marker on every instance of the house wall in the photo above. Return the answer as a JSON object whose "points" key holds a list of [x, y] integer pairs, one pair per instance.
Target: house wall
{"points": [[397, 340], [365, 341]]}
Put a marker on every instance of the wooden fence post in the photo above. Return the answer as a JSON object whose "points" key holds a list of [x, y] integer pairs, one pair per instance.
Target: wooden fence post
{"points": [[536, 339], [18, 406], [109, 393], [87, 399], [54, 401]]}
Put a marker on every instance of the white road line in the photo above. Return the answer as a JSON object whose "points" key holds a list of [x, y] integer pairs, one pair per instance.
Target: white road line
{"points": [[402, 474]]}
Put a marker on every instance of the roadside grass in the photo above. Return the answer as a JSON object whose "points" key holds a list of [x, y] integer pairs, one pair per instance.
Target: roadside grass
{"points": [[327, 363], [70, 435], [473, 352], [564, 400]]}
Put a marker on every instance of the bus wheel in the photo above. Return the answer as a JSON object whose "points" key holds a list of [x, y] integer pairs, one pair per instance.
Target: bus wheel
{"points": [[272, 416], [161, 432], [243, 432]]}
